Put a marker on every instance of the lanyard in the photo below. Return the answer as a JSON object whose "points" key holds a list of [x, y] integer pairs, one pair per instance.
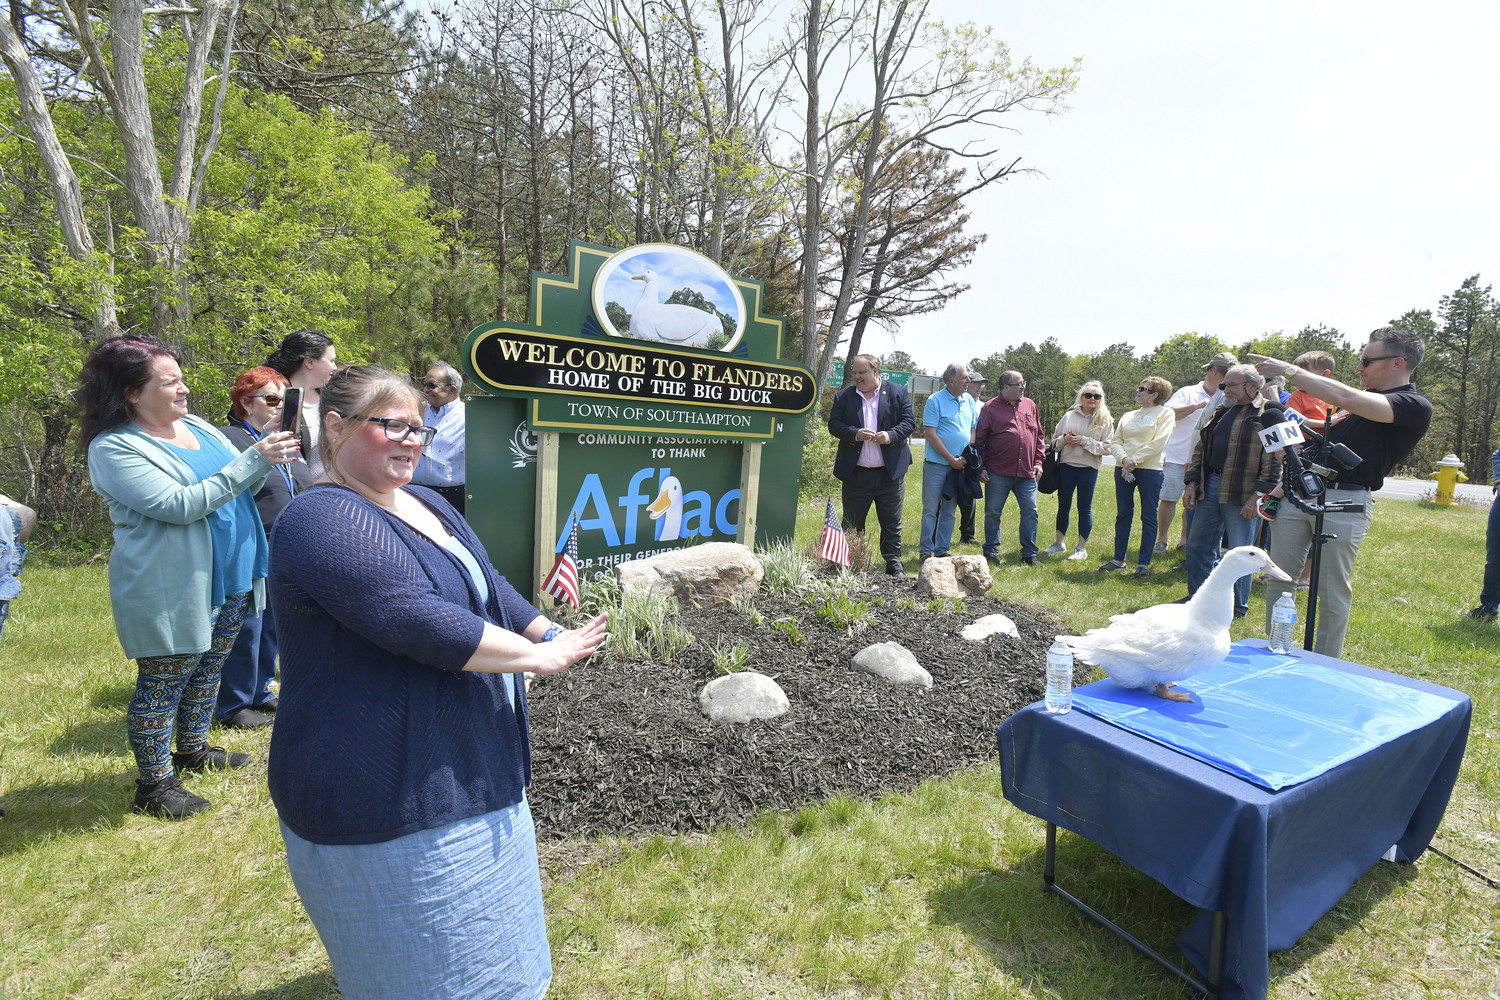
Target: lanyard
{"points": [[255, 435]]}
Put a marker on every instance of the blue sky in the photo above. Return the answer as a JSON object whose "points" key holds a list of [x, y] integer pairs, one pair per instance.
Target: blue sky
{"points": [[676, 271], [1231, 169]]}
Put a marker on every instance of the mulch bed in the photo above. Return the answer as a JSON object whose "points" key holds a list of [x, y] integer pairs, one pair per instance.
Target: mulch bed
{"points": [[622, 748]]}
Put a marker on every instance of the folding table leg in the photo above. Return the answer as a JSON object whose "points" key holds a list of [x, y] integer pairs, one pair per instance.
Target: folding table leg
{"points": [[1216, 943]]}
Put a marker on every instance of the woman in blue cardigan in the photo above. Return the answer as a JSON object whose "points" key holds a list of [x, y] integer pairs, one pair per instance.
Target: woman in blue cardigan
{"points": [[189, 558], [400, 758]]}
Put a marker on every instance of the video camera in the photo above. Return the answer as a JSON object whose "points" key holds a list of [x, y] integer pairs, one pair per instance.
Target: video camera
{"points": [[1305, 473]]}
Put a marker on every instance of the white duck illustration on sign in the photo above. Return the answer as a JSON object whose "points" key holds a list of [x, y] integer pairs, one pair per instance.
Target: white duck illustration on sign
{"points": [[673, 323], [667, 508], [1156, 647]]}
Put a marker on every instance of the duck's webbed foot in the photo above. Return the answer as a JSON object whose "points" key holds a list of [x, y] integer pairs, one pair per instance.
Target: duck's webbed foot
{"points": [[1165, 691]]}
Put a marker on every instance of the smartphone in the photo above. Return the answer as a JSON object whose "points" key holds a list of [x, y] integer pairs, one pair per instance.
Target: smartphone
{"points": [[291, 409]]}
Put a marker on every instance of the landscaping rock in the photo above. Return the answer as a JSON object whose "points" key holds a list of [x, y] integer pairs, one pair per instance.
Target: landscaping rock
{"points": [[973, 575], [741, 697], [893, 662], [989, 625], [936, 578], [954, 576], [698, 576]]}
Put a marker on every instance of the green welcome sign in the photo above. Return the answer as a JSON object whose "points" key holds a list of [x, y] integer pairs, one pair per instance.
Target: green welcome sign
{"points": [[645, 397]]}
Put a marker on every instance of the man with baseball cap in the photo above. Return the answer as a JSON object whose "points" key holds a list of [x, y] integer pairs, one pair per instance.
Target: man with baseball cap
{"points": [[1188, 400]]}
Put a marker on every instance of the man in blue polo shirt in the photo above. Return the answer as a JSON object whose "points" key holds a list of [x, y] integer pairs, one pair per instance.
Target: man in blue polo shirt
{"points": [[948, 420]]}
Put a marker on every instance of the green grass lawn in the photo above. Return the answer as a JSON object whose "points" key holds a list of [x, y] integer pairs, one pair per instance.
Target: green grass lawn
{"points": [[930, 894]]}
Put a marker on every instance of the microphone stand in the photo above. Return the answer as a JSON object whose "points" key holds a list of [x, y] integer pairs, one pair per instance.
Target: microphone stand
{"points": [[1304, 486]]}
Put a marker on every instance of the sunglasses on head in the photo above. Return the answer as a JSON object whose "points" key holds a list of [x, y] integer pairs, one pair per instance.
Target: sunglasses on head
{"points": [[1092, 395]]}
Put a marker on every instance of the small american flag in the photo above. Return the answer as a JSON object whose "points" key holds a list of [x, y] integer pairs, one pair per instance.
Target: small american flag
{"points": [[562, 582], [835, 545]]}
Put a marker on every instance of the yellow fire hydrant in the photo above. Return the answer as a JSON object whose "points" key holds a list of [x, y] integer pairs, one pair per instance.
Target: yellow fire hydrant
{"points": [[1449, 475]]}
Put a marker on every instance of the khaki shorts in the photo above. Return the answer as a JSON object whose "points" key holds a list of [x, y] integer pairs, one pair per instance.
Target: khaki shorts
{"points": [[1171, 485]]}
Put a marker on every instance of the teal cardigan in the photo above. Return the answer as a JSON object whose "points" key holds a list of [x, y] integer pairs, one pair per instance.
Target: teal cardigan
{"points": [[160, 568]]}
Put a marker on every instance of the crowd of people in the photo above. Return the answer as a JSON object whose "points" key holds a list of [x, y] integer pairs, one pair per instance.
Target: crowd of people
{"points": [[326, 579], [1198, 446], [400, 753]]}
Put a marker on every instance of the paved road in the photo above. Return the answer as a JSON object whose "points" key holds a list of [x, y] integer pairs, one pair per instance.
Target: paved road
{"points": [[1405, 489], [1416, 489]]}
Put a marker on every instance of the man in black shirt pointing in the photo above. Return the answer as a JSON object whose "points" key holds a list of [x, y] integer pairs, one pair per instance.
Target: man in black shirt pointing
{"points": [[1380, 423]]}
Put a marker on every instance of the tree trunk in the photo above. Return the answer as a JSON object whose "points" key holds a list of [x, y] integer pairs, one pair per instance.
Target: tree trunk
{"points": [[872, 295], [66, 194], [55, 466], [812, 232], [161, 213]]}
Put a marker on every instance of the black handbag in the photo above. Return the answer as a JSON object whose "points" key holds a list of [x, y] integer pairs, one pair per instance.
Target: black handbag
{"points": [[1047, 481]]}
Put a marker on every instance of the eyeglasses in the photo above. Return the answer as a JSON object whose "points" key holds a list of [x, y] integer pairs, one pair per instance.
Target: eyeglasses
{"points": [[1018, 385], [1367, 362], [271, 399], [1093, 395], [1234, 385], [400, 430]]}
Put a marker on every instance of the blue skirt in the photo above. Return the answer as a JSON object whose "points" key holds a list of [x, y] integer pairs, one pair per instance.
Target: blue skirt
{"points": [[452, 913]]}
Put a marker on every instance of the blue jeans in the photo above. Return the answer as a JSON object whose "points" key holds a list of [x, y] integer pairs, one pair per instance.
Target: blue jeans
{"points": [[1148, 481], [938, 514], [996, 493], [1212, 519], [1069, 478], [250, 666], [1489, 596]]}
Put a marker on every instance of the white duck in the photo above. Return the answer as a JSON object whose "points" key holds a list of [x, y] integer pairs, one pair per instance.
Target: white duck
{"points": [[667, 507], [1157, 646], [674, 323]]}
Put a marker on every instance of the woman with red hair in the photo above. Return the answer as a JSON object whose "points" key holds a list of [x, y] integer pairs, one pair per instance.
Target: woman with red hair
{"points": [[245, 697]]}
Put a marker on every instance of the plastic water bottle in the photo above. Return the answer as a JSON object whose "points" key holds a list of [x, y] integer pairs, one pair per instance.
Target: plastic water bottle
{"points": [[1283, 623], [1059, 678]]}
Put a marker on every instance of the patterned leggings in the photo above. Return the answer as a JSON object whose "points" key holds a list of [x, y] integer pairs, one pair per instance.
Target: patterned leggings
{"points": [[184, 689]]}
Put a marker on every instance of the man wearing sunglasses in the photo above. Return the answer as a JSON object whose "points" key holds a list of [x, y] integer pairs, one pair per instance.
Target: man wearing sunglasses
{"points": [[442, 464], [1186, 404], [1381, 422]]}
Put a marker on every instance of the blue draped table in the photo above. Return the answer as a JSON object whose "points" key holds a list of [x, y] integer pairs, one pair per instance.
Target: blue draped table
{"points": [[1272, 861]]}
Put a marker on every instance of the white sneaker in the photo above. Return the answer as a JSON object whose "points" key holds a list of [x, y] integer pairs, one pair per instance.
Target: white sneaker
{"points": [[1055, 549], [1079, 555]]}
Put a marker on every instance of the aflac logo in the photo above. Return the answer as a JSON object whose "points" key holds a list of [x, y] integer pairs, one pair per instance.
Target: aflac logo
{"points": [[677, 514]]}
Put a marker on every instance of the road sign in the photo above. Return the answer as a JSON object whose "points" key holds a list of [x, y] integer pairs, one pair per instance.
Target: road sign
{"points": [[836, 376]]}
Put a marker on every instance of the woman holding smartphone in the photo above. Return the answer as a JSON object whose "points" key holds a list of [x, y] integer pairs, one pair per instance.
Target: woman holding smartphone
{"points": [[246, 700], [189, 560]]}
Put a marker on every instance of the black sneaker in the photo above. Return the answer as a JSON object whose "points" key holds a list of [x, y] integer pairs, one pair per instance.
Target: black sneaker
{"points": [[246, 718], [895, 569], [1483, 615], [167, 799], [209, 759]]}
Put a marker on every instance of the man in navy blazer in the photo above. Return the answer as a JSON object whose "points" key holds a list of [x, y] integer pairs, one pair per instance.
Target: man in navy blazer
{"points": [[872, 420]]}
